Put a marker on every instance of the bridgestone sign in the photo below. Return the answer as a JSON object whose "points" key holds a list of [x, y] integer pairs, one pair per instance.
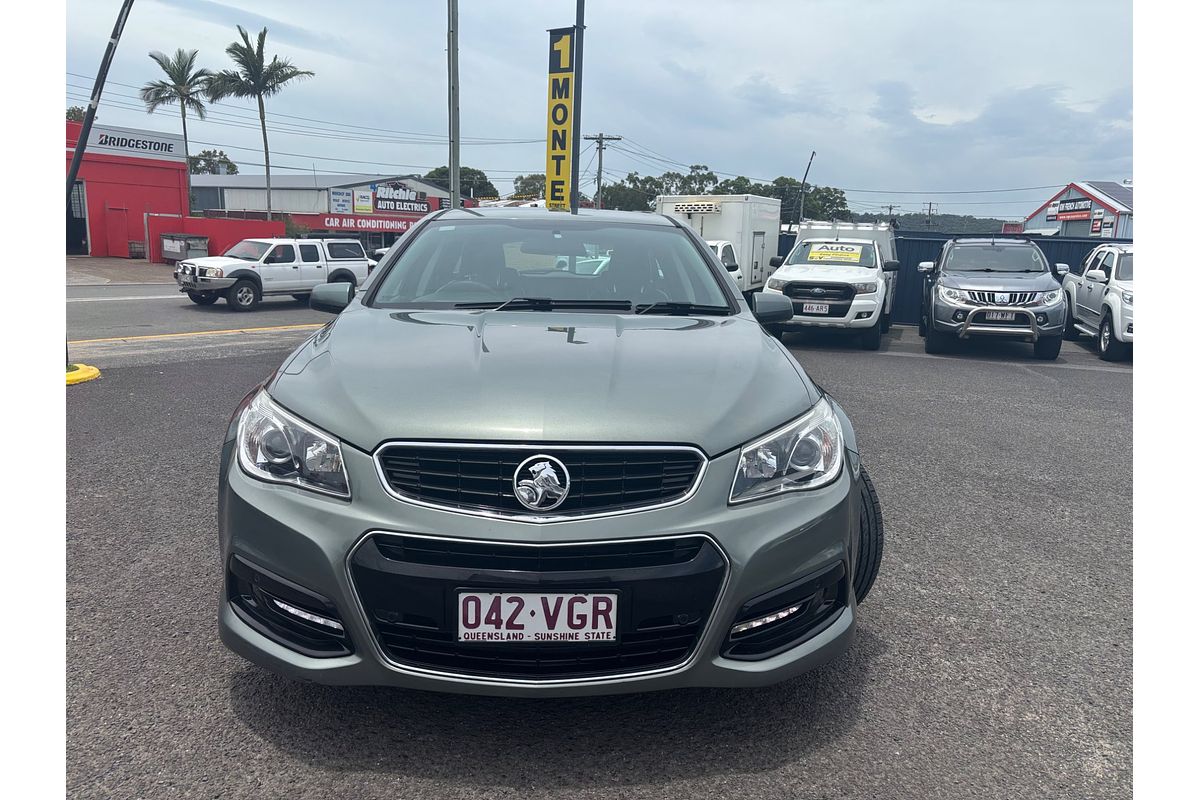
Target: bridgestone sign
{"points": [[107, 140]]}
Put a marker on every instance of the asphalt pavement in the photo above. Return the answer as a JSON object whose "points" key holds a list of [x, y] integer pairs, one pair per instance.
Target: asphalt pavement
{"points": [[993, 657]]}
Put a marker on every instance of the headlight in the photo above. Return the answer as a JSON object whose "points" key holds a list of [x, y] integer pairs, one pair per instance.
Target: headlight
{"points": [[1050, 298], [805, 454], [1127, 298], [214, 272], [865, 288], [956, 296], [275, 446], [777, 284]]}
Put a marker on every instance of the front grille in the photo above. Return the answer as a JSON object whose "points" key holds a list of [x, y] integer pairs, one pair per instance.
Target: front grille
{"points": [[481, 478], [819, 292], [1011, 298], [666, 590]]}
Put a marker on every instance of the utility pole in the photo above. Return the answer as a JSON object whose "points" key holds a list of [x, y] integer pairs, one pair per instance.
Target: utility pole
{"points": [[579, 26], [803, 185], [97, 90], [600, 139], [929, 211], [452, 66]]}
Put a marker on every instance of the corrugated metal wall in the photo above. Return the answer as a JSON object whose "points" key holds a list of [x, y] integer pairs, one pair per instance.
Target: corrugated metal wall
{"points": [[913, 247]]}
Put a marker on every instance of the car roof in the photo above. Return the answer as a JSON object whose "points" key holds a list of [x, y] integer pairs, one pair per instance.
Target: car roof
{"points": [[584, 215], [981, 241]]}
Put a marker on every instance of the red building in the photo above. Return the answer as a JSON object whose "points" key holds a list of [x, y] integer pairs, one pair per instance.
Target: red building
{"points": [[132, 188]]}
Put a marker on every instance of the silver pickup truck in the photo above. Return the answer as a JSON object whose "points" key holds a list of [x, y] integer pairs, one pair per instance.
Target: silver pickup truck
{"points": [[1100, 300]]}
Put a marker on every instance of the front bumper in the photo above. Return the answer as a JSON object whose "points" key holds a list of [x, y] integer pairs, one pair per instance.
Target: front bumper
{"points": [[194, 283], [861, 312], [310, 541], [1029, 323]]}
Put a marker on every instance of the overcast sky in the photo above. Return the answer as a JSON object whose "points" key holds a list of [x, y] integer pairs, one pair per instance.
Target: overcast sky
{"points": [[915, 96]]}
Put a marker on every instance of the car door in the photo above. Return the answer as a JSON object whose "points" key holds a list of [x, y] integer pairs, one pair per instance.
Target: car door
{"points": [[279, 270], [312, 264], [1093, 290]]}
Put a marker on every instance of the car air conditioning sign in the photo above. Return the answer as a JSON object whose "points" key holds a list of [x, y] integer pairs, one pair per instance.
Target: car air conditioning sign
{"points": [[138, 144], [398, 197], [836, 252]]}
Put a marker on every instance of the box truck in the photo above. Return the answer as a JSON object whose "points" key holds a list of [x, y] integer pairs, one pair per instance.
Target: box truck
{"points": [[741, 229]]}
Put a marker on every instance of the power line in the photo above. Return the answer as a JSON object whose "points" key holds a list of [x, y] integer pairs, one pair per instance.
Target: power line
{"points": [[600, 139]]}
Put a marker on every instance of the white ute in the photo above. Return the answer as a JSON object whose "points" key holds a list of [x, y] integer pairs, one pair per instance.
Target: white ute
{"points": [[741, 229], [254, 268], [1100, 300], [840, 275]]}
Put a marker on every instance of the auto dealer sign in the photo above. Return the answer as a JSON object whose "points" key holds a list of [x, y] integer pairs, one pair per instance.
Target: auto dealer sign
{"points": [[113, 141]]}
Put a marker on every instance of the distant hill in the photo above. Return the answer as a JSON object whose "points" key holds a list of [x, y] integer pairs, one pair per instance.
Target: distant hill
{"points": [[940, 223]]}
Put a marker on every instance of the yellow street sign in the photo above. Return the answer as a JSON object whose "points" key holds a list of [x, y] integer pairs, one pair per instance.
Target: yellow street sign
{"points": [[560, 147]]}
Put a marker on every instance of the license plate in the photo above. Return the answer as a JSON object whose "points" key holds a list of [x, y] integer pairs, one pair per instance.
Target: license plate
{"points": [[1000, 316], [535, 617], [816, 308]]}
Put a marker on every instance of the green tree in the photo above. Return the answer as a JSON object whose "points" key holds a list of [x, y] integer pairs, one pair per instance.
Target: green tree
{"points": [[255, 77], [76, 113], [533, 185], [185, 86], [633, 193], [471, 182], [212, 162]]}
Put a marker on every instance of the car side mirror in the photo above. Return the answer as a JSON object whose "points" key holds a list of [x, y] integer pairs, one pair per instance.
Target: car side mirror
{"points": [[732, 267], [891, 266], [771, 308], [1095, 275], [776, 261], [331, 297], [925, 266], [1062, 269]]}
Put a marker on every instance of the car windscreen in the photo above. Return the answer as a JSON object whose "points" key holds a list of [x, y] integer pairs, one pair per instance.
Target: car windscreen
{"points": [[833, 254], [995, 258], [1125, 267], [489, 261], [248, 251]]}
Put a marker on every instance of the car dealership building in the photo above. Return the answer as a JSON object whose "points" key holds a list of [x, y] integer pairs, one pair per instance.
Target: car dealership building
{"points": [[1100, 209]]}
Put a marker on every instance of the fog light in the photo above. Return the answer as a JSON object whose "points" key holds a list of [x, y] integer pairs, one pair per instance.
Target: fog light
{"points": [[742, 627], [863, 315], [1041, 319], [959, 316], [313, 618]]}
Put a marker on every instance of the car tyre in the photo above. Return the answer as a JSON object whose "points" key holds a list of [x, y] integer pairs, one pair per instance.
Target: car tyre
{"points": [[243, 295], [936, 342], [203, 298], [922, 329], [886, 322], [1047, 347], [1070, 333], [303, 298], [870, 539], [872, 336], [1110, 349]]}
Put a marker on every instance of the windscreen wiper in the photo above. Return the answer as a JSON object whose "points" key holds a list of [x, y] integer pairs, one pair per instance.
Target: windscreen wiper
{"points": [[547, 304], [679, 309]]}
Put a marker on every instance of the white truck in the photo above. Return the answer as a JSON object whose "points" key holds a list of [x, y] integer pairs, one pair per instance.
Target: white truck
{"points": [[1099, 295], [840, 275], [741, 229], [254, 268]]}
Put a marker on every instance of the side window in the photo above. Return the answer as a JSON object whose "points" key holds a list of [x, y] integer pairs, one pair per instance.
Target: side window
{"points": [[282, 254], [1084, 265], [1107, 264], [727, 257], [309, 253], [345, 250]]}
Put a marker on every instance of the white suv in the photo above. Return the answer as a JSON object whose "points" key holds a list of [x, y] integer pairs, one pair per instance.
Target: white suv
{"points": [[837, 283], [1100, 300], [253, 268]]}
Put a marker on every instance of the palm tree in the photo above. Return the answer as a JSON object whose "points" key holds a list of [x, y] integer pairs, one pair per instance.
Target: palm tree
{"points": [[256, 78], [185, 85]]}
